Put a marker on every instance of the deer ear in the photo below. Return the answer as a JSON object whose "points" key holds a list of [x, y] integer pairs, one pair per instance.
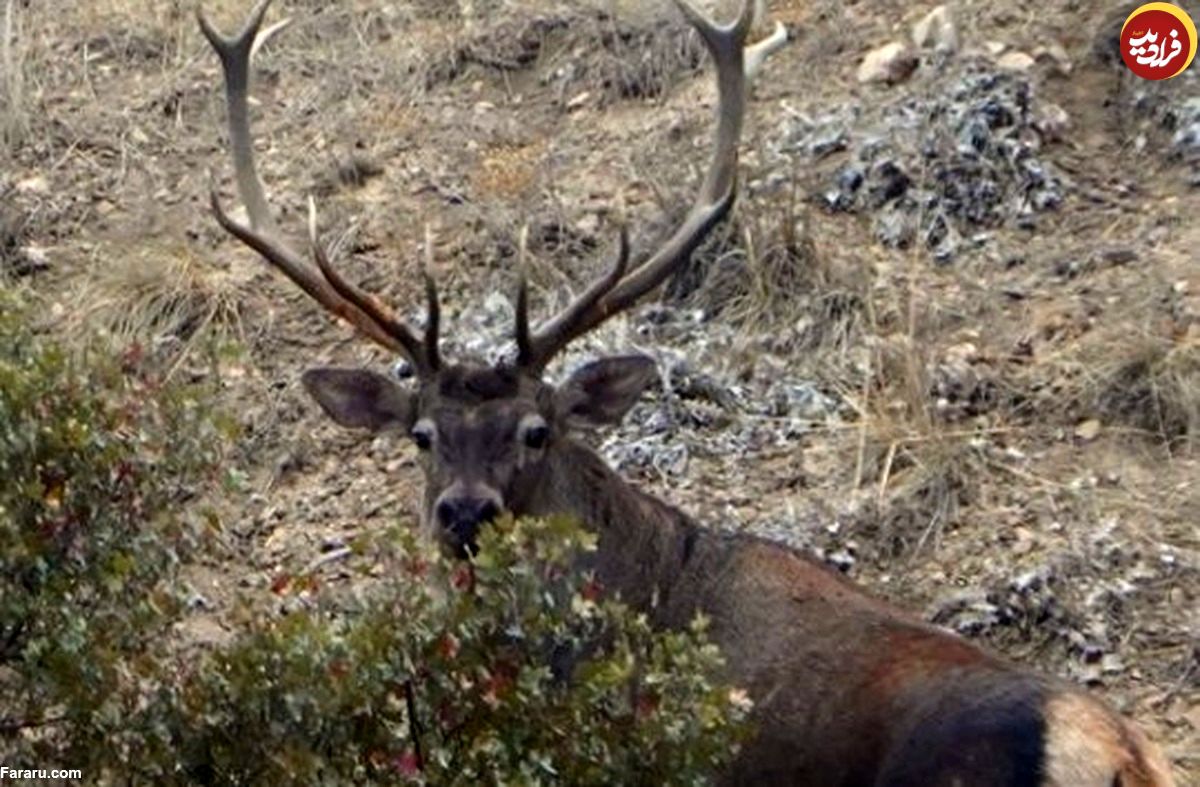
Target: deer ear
{"points": [[603, 391], [360, 399]]}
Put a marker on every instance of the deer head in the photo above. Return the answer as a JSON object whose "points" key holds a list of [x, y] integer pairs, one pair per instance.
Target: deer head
{"points": [[486, 433]]}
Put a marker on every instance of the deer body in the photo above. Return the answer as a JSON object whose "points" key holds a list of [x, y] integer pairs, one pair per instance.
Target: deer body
{"points": [[848, 690]]}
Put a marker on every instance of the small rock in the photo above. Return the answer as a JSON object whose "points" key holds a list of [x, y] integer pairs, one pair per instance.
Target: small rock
{"points": [[588, 225], [1015, 61], [1055, 56], [828, 143], [893, 229], [963, 353], [1088, 430], [578, 101], [1053, 123], [36, 186], [890, 63], [197, 600], [842, 560], [1111, 664], [850, 178], [995, 48], [403, 370], [1024, 541], [1118, 256], [936, 31], [332, 543], [30, 260], [888, 182]]}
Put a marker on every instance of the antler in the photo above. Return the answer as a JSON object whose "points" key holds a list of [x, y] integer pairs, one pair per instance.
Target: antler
{"points": [[362, 310], [616, 290]]}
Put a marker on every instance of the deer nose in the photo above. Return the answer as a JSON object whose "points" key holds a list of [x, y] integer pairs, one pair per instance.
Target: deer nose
{"points": [[462, 516]]}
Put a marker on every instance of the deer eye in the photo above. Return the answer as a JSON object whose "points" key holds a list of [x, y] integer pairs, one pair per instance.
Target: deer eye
{"points": [[537, 436], [535, 433], [422, 435]]}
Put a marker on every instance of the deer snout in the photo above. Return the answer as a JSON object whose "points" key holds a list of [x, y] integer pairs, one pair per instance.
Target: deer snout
{"points": [[460, 516]]}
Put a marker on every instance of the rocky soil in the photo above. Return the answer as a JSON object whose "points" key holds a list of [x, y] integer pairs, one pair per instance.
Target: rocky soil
{"points": [[949, 341]]}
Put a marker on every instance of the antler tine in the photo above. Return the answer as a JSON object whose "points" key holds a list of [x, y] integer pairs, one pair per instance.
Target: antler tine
{"points": [[557, 332], [522, 305], [735, 64], [433, 309], [380, 315], [299, 272], [328, 288]]}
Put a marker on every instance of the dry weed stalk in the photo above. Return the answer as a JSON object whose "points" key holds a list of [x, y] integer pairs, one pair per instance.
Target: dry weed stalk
{"points": [[14, 116]]}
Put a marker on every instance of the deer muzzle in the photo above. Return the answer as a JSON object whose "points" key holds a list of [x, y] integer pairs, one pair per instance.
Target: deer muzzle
{"points": [[461, 513]]}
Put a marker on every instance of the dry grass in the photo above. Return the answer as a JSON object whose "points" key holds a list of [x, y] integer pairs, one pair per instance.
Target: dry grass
{"points": [[508, 172], [1128, 378], [161, 297], [924, 470], [589, 49], [14, 111], [1154, 385], [486, 115]]}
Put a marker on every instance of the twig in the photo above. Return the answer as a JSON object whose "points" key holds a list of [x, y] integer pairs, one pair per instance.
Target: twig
{"points": [[332, 556], [414, 726]]}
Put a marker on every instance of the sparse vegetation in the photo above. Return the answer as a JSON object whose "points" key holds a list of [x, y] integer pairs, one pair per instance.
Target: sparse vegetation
{"points": [[1155, 386], [1024, 407]]}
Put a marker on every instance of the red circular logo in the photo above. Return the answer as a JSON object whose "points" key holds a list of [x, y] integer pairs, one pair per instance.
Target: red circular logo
{"points": [[1158, 41]]}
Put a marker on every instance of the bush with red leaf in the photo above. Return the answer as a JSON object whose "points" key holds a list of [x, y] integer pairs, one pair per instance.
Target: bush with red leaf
{"points": [[526, 674], [95, 456]]}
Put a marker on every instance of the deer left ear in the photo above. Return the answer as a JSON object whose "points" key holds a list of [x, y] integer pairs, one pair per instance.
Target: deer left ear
{"points": [[601, 392], [359, 399]]}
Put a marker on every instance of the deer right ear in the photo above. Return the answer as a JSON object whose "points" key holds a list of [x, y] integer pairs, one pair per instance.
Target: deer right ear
{"points": [[601, 392], [359, 399]]}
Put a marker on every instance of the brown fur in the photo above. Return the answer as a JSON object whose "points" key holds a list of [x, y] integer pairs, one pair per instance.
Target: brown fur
{"points": [[835, 673], [1086, 744]]}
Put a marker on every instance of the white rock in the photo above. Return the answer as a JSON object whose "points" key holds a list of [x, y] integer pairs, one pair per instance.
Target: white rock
{"points": [[890, 63], [1088, 430], [36, 185], [1053, 123], [936, 31], [1054, 55], [1015, 61]]}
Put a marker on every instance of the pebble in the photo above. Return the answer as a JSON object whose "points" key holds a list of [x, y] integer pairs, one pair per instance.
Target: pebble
{"points": [[891, 63], [1015, 61], [937, 31]]}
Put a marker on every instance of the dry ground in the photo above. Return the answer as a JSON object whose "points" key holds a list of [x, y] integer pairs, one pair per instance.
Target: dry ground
{"points": [[1007, 441]]}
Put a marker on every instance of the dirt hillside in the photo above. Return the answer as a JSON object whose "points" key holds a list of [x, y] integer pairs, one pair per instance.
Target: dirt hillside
{"points": [[949, 341]]}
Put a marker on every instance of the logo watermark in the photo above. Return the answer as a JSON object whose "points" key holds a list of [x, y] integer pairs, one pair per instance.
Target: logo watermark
{"points": [[1158, 41], [39, 774]]}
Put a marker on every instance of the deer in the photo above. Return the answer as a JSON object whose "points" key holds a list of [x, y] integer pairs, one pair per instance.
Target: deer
{"points": [[848, 690]]}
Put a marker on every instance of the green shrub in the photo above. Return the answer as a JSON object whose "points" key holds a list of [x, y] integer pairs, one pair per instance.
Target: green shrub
{"points": [[95, 458], [512, 671]]}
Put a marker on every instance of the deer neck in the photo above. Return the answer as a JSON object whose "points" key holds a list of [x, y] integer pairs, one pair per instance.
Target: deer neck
{"points": [[644, 543]]}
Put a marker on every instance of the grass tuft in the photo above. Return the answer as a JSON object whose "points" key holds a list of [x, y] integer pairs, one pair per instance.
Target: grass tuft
{"points": [[161, 297]]}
